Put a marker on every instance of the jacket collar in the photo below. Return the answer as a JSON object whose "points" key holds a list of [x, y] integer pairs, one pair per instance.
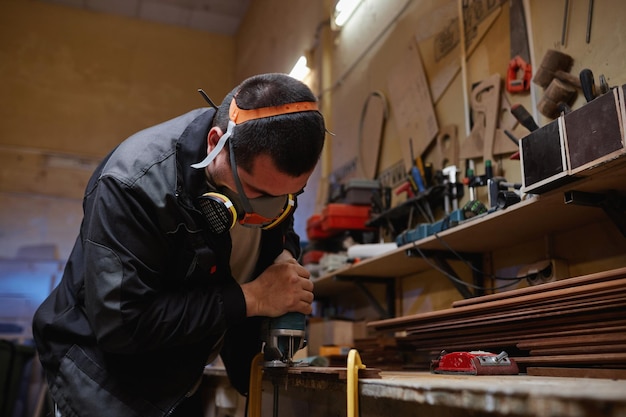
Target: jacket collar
{"points": [[191, 148]]}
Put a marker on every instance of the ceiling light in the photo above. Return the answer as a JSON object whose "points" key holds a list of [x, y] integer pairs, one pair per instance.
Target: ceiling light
{"points": [[343, 11], [300, 70]]}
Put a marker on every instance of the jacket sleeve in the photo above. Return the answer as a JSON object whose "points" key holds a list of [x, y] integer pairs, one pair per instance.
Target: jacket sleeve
{"points": [[241, 344], [140, 292]]}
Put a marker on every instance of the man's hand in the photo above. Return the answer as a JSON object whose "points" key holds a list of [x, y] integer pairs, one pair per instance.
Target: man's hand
{"points": [[283, 287]]}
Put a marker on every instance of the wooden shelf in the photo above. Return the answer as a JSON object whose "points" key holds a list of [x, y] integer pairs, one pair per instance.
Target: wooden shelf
{"points": [[532, 218]]}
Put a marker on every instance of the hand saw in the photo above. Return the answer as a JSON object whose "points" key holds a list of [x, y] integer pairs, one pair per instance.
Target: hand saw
{"points": [[519, 71]]}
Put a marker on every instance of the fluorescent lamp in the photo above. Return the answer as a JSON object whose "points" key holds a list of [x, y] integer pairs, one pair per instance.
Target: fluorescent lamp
{"points": [[300, 70], [343, 11]]}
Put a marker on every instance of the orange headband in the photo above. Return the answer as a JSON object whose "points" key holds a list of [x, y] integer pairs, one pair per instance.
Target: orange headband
{"points": [[238, 115]]}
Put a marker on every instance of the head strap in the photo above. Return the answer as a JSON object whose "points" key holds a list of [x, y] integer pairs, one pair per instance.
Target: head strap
{"points": [[239, 115]]}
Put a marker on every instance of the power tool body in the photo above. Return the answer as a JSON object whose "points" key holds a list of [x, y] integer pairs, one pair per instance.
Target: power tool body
{"points": [[284, 336]]}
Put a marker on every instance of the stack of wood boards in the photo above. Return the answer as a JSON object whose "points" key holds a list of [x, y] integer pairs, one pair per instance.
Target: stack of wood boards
{"points": [[575, 326], [381, 352]]}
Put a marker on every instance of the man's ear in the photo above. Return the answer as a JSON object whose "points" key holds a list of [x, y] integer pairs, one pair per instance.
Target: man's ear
{"points": [[213, 137]]}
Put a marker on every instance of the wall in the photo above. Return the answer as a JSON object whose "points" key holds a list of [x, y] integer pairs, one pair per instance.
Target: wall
{"points": [[370, 55], [68, 74], [266, 43], [75, 84]]}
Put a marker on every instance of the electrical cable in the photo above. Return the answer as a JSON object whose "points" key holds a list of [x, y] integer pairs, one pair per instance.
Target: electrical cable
{"points": [[472, 267], [459, 281], [360, 146]]}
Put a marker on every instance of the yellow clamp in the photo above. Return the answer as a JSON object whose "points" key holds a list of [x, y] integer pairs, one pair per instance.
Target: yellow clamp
{"points": [[352, 392], [256, 385], [354, 364]]}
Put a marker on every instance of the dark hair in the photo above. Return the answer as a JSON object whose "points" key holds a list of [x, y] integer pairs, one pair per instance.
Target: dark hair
{"points": [[294, 141]]}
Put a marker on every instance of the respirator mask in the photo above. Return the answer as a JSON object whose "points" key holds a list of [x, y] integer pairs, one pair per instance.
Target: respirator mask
{"points": [[224, 208]]}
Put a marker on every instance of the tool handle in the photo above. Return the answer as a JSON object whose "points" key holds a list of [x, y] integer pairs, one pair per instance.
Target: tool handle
{"points": [[523, 116], [417, 177], [587, 84]]}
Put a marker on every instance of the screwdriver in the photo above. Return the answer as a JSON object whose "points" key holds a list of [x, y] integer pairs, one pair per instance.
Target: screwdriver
{"points": [[522, 116]]}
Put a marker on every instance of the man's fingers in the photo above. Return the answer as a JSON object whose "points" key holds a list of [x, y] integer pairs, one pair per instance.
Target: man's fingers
{"points": [[307, 285]]}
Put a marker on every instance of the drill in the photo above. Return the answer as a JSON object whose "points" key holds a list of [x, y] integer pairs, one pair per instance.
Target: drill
{"points": [[284, 336]]}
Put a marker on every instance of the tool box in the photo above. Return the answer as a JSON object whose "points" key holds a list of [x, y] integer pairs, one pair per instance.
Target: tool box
{"points": [[355, 191], [314, 229], [424, 230], [563, 150], [474, 363], [595, 132], [338, 217]]}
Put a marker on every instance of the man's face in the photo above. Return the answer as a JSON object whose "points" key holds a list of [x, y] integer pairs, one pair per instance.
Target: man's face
{"points": [[266, 180], [263, 180], [262, 196]]}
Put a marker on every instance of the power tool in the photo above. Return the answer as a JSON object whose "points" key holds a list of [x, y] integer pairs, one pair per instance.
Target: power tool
{"points": [[284, 336], [474, 363]]}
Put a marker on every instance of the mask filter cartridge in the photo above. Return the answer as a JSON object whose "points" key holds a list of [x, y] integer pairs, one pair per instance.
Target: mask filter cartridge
{"points": [[219, 212]]}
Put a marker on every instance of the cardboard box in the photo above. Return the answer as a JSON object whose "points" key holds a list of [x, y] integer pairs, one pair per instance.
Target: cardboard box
{"points": [[333, 333]]}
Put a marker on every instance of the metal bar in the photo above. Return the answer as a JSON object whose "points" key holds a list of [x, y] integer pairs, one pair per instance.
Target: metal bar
{"points": [[275, 405], [589, 16], [450, 273], [390, 292], [384, 314], [612, 203], [565, 17]]}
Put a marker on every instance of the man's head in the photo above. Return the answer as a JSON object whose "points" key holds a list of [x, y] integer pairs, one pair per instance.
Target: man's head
{"points": [[293, 141], [266, 139]]}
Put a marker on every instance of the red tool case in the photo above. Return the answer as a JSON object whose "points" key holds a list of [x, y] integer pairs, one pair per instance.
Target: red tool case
{"points": [[337, 217]]}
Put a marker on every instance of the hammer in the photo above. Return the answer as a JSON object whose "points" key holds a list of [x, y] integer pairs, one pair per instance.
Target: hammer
{"points": [[557, 65], [557, 98], [559, 85]]}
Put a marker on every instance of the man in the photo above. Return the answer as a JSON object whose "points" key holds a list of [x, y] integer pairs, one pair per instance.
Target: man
{"points": [[178, 260]]}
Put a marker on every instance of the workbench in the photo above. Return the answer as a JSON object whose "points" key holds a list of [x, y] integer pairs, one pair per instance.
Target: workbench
{"points": [[423, 393]]}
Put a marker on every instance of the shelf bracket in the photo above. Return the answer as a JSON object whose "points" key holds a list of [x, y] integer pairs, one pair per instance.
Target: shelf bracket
{"points": [[612, 203], [439, 258], [390, 293]]}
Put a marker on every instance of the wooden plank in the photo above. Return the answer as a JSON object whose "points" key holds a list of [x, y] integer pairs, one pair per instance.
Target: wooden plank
{"points": [[577, 372], [589, 316], [536, 289], [494, 337], [555, 312], [409, 96], [610, 358], [579, 350], [321, 372], [534, 331], [401, 323], [594, 339], [518, 335]]}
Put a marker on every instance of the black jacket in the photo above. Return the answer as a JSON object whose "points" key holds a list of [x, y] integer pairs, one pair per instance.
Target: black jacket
{"points": [[147, 297]]}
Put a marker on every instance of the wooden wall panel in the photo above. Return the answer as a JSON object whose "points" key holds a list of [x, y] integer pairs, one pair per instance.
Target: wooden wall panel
{"points": [[80, 82], [76, 83]]}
